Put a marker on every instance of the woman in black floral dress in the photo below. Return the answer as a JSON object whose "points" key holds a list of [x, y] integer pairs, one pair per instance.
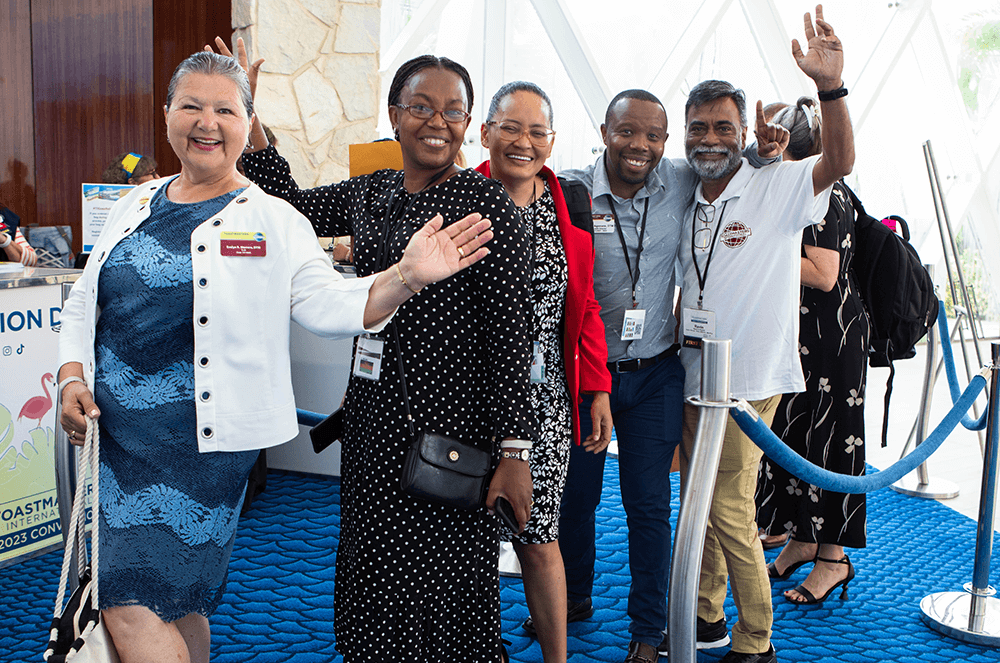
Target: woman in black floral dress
{"points": [[418, 581], [570, 350], [825, 423]]}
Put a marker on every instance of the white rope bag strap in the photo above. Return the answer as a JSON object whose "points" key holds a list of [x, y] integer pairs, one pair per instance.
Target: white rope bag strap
{"points": [[75, 540]]}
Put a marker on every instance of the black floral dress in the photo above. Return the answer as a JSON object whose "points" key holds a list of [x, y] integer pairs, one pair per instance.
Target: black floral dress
{"points": [[418, 581], [550, 398], [825, 424]]}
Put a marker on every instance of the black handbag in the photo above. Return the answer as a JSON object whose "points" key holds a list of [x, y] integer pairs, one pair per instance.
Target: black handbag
{"points": [[438, 468]]}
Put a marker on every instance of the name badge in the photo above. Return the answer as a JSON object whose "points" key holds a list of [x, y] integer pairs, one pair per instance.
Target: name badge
{"points": [[632, 324], [368, 358], [697, 324], [537, 364], [243, 244], [603, 223]]}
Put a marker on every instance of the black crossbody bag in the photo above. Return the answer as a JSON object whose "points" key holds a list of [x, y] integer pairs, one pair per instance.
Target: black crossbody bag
{"points": [[437, 468]]}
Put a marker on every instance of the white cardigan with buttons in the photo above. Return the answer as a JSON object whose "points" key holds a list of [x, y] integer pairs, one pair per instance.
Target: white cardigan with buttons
{"points": [[243, 306]]}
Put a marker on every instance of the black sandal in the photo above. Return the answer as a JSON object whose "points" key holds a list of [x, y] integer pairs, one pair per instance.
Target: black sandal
{"points": [[812, 600], [772, 569]]}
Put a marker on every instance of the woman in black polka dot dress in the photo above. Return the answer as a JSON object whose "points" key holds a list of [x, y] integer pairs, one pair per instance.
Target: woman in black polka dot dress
{"points": [[417, 581]]}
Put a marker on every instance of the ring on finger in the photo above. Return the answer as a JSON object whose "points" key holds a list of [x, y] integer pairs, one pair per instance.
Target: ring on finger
{"points": [[461, 252]]}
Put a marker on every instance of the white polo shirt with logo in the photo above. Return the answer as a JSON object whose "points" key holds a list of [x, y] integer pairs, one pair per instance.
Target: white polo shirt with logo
{"points": [[752, 282]]}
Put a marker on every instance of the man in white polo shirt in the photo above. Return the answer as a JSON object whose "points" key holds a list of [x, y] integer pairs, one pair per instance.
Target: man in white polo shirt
{"points": [[740, 256]]}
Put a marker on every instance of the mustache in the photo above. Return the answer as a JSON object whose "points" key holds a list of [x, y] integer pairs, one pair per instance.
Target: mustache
{"points": [[709, 150]]}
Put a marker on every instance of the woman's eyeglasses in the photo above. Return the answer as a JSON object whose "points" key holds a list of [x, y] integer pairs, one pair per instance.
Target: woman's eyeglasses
{"points": [[512, 131], [425, 113]]}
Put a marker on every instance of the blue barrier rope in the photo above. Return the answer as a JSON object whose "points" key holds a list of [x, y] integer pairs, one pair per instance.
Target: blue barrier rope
{"points": [[784, 456], [307, 418], [949, 369]]}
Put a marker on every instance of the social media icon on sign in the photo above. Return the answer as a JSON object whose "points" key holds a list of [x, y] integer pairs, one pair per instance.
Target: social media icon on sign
{"points": [[7, 351]]}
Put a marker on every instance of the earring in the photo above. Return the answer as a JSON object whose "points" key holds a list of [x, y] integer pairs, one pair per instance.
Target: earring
{"points": [[395, 132], [249, 144]]}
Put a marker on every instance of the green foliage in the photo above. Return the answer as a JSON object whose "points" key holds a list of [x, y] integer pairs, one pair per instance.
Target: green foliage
{"points": [[976, 280], [980, 41]]}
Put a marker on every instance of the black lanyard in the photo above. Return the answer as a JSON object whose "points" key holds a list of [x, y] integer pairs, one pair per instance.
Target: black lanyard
{"points": [[621, 236], [703, 277], [394, 220]]}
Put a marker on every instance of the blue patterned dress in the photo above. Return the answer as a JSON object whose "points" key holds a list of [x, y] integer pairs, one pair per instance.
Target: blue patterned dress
{"points": [[168, 512]]}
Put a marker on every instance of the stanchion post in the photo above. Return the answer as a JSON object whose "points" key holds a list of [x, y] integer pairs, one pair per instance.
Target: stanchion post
{"points": [[921, 484], [696, 500], [974, 615]]}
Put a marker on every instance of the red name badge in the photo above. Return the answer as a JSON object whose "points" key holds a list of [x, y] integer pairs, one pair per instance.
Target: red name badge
{"points": [[243, 244]]}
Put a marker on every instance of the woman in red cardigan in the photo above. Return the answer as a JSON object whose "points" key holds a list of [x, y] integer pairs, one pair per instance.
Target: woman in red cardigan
{"points": [[569, 355]]}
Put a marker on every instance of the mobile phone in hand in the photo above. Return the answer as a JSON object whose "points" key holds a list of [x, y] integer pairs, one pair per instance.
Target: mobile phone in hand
{"points": [[505, 512]]}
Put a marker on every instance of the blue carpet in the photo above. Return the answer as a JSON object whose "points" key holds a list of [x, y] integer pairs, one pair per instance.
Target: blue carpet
{"points": [[279, 603]]}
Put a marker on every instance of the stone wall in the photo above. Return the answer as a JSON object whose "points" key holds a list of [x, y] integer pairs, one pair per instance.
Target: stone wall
{"points": [[319, 85]]}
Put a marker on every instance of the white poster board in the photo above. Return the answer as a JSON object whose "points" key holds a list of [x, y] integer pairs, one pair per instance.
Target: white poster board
{"points": [[29, 325], [97, 202]]}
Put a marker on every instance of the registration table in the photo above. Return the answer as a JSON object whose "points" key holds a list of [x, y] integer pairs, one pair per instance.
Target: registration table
{"points": [[30, 305]]}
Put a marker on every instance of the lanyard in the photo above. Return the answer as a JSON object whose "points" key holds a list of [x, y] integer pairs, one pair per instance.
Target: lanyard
{"points": [[394, 220], [703, 277], [621, 236]]}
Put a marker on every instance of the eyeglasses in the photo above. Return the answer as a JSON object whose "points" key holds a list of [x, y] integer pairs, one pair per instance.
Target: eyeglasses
{"points": [[703, 234], [425, 113], [512, 131]]}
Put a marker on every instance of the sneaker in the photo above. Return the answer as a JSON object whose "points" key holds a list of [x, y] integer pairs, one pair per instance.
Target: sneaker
{"points": [[736, 657], [575, 612], [640, 652], [710, 636]]}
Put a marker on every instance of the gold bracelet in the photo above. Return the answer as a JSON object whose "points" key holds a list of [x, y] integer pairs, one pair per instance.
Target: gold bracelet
{"points": [[403, 281]]}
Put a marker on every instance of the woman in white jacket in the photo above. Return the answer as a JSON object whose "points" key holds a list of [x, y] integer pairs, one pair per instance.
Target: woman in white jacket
{"points": [[176, 335]]}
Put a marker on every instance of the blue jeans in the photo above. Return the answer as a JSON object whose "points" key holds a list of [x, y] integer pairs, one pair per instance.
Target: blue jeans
{"points": [[648, 411]]}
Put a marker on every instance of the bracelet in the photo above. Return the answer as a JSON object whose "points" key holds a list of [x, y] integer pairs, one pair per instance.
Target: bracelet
{"points": [[832, 95], [516, 444], [7, 243], [70, 380], [403, 281]]}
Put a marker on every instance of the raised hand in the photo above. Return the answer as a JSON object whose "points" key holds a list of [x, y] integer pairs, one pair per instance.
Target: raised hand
{"points": [[434, 254], [252, 69], [772, 139], [824, 61]]}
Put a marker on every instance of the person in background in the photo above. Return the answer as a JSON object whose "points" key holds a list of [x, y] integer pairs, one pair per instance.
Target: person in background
{"points": [[175, 339], [417, 580], [130, 168], [825, 423], [740, 262], [570, 351], [15, 247]]}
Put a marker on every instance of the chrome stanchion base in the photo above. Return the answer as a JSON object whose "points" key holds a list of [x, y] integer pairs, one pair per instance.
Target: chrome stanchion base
{"points": [[935, 489], [510, 567], [948, 613]]}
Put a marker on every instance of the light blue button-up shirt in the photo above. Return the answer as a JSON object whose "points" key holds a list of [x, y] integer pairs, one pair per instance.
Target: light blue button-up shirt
{"points": [[669, 190]]}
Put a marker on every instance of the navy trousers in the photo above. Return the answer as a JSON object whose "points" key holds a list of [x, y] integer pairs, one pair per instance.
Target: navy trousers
{"points": [[647, 406]]}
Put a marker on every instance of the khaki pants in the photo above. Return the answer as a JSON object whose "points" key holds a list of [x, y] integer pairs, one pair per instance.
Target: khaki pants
{"points": [[732, 547]]}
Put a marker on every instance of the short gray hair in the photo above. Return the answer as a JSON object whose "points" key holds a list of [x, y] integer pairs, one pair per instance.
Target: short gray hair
{"points": [[805, 127], [212, 64], [712, 90], [517, 86]]}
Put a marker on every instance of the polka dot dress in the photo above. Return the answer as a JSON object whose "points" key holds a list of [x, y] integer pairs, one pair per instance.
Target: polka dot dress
{"points": [[550, 454], [418, 581]]}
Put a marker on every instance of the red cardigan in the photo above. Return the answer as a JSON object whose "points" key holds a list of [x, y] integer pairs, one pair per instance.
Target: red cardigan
{"points": [[584, 348]]}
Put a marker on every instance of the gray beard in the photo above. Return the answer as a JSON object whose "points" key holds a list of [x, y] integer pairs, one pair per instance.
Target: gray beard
{"points": [[713, 170]]}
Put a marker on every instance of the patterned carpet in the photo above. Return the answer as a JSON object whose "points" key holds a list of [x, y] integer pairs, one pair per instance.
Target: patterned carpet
{"points": [[279, 602]]}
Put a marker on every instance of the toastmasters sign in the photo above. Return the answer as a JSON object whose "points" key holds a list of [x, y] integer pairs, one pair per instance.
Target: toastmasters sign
{"points": [[29, 326]]}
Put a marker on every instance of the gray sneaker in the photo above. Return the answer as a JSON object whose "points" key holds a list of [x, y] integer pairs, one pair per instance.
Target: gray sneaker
{"points": [[710, 636]]}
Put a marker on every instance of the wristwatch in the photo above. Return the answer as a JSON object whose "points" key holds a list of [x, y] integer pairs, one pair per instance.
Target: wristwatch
{"points": [[516, 454]]}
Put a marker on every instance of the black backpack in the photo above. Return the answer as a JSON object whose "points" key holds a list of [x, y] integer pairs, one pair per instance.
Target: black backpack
{"points": [[577, 204], [897, 291]]}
